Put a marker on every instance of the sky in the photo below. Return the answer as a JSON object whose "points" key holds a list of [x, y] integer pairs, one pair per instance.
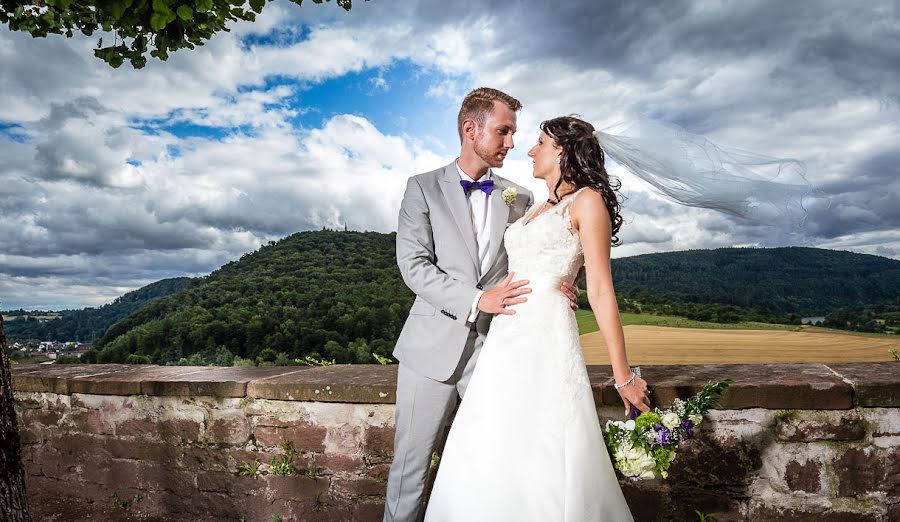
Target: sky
{"points": [[312, 117]]}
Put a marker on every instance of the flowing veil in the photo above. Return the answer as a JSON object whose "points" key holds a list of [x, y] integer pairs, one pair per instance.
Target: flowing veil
{"points": [[694, 171]]}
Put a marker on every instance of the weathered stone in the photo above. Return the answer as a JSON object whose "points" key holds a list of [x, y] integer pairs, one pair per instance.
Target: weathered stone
{"points": [[780, 386], [344, 439], [368, 510], [647, 502], [773, 513], [331, 463], [803, 477], [218, 481], [792, 428], [893, 511], [303, 435], [228, 428], [42, 417], [208, 381], [686, 501], [876, 384], [352, 383], [293, 487], [182, 453], [734, 463], [379, 439], [166, 429], [379, 472], [359, 487], [869, 469]]}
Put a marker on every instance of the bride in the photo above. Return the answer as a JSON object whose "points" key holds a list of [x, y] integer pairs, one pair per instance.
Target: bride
{"points": [[526, 442]]}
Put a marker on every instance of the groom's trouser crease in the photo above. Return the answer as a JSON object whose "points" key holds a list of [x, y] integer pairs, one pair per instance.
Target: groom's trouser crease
{"points": [[422, 409]]}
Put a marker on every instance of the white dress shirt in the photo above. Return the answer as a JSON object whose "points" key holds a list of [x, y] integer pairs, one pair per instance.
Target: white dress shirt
{"points": [[480, 209]]}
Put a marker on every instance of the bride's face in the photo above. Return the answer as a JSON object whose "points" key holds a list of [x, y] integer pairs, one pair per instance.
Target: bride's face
{"points": [[545, 156]]}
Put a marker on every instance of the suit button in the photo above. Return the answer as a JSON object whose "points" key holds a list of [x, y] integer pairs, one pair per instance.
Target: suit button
{"points": [[479, 286]]}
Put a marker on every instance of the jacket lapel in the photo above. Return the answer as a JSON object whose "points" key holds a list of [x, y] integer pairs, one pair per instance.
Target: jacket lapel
{"points": [[459, 207], [499, 217]]}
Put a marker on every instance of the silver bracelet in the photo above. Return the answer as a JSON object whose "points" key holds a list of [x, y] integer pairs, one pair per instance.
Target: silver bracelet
{"points": [[626, 383]]}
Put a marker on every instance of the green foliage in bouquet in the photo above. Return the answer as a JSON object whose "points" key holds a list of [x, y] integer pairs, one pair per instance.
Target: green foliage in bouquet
{"points": [[645, 447]]}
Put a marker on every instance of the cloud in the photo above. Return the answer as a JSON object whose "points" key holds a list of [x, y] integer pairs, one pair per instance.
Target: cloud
{"points": [[111, 179]]}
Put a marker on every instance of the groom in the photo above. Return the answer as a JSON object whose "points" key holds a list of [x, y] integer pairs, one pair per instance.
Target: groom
{"points": [[450, 253]]}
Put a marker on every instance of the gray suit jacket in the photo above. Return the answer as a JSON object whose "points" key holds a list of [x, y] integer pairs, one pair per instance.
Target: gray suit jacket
{"points": [[438, 259]]}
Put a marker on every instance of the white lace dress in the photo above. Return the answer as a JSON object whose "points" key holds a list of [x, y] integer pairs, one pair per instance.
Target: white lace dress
{"points": [[526, 442]]}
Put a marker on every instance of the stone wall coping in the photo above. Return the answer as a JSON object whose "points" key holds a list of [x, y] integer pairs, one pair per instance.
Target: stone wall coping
{"points": [[771, 386]]}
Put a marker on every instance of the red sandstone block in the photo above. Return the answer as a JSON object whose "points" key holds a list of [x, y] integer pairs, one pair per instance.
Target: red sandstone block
{"points": [[379, 472], [219, 482], [846, 427], [232, 428], [870, 469], [379, 439], [368, 511], [304, 436], [295, 487], [768, 513], [359, 487], [42, 417], [335, 463], [803, 477], [168, 430], [736, 460], [326, 510]]}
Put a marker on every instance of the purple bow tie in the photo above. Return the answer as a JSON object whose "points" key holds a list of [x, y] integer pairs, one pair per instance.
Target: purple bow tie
{"points": [[486, 186]]}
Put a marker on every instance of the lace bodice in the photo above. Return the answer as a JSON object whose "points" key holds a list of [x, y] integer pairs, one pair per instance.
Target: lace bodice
{"points": [[542, 247]]}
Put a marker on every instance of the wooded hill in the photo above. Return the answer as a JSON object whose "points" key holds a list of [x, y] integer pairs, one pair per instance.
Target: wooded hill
{"points": [[87, 324], [772, 281], [339, 295]]}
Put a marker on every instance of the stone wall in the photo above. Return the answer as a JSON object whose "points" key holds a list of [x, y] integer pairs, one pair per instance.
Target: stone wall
{"points": [[118, 442]]}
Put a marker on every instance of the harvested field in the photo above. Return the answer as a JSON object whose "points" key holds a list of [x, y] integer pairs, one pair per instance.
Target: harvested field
{"points": [[662, 345]]}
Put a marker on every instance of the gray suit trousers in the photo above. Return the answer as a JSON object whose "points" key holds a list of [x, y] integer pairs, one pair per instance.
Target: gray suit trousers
{"points": [[423, 408]]}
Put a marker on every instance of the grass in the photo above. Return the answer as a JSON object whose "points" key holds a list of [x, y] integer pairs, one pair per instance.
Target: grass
{"points": [[587, 323], [34, 359]]}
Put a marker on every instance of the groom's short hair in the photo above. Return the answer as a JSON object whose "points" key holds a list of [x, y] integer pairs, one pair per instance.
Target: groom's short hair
{"points": [[479, 103]]}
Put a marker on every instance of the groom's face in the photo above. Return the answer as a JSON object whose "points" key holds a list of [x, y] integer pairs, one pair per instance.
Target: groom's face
{"points": [[495, 138]]}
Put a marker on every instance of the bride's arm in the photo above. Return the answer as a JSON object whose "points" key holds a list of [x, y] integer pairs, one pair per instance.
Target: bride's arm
{"points": [[591, 219]]}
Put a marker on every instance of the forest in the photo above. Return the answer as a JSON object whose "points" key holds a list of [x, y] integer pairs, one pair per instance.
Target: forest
{"points": [[88, 324], [338, 296]]}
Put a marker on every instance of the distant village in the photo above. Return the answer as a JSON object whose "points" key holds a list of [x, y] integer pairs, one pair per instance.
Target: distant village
{"points": [[48, 350]]}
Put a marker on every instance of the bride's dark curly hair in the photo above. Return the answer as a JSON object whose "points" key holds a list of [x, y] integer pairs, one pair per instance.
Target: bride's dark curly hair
{"points": [[581, 164]]}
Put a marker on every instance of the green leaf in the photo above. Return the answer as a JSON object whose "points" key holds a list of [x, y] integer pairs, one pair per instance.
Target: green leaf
{"points": [[185, 12], [204, 5], [161, 6], [158, 21], [117, 10], [257, 5]]}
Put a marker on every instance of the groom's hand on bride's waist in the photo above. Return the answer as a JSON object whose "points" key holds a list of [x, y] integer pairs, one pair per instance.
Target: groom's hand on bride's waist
{"points": [[507, 293], [571, 292]]}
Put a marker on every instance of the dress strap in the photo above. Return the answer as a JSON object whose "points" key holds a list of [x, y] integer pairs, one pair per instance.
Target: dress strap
{"points": [[567, 200]]}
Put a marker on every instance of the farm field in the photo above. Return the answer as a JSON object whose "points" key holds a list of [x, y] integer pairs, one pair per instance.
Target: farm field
{"points": [[670, 345]]}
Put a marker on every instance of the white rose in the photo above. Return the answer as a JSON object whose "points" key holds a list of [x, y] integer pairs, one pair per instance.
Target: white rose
{"points": [[629, 425], [671, 420]]}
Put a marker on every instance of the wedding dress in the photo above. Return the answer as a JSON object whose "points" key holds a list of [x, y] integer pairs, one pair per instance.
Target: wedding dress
{"points": [[526, 442]]}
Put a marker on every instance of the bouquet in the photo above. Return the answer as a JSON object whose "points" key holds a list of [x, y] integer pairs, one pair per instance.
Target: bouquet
{"points": [[644, 447]]}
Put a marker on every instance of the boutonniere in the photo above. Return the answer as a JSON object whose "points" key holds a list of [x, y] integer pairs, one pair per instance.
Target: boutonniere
{"points": [[509, 195]]}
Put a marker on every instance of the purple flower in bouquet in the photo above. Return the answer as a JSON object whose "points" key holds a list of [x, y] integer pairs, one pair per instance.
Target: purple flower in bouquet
{"points": [[665, 437], [643, 448]]}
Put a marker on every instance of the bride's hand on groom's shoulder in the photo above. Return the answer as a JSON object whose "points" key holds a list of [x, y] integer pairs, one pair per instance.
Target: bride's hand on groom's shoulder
{"points": [[636, 393], [506, 293]]}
